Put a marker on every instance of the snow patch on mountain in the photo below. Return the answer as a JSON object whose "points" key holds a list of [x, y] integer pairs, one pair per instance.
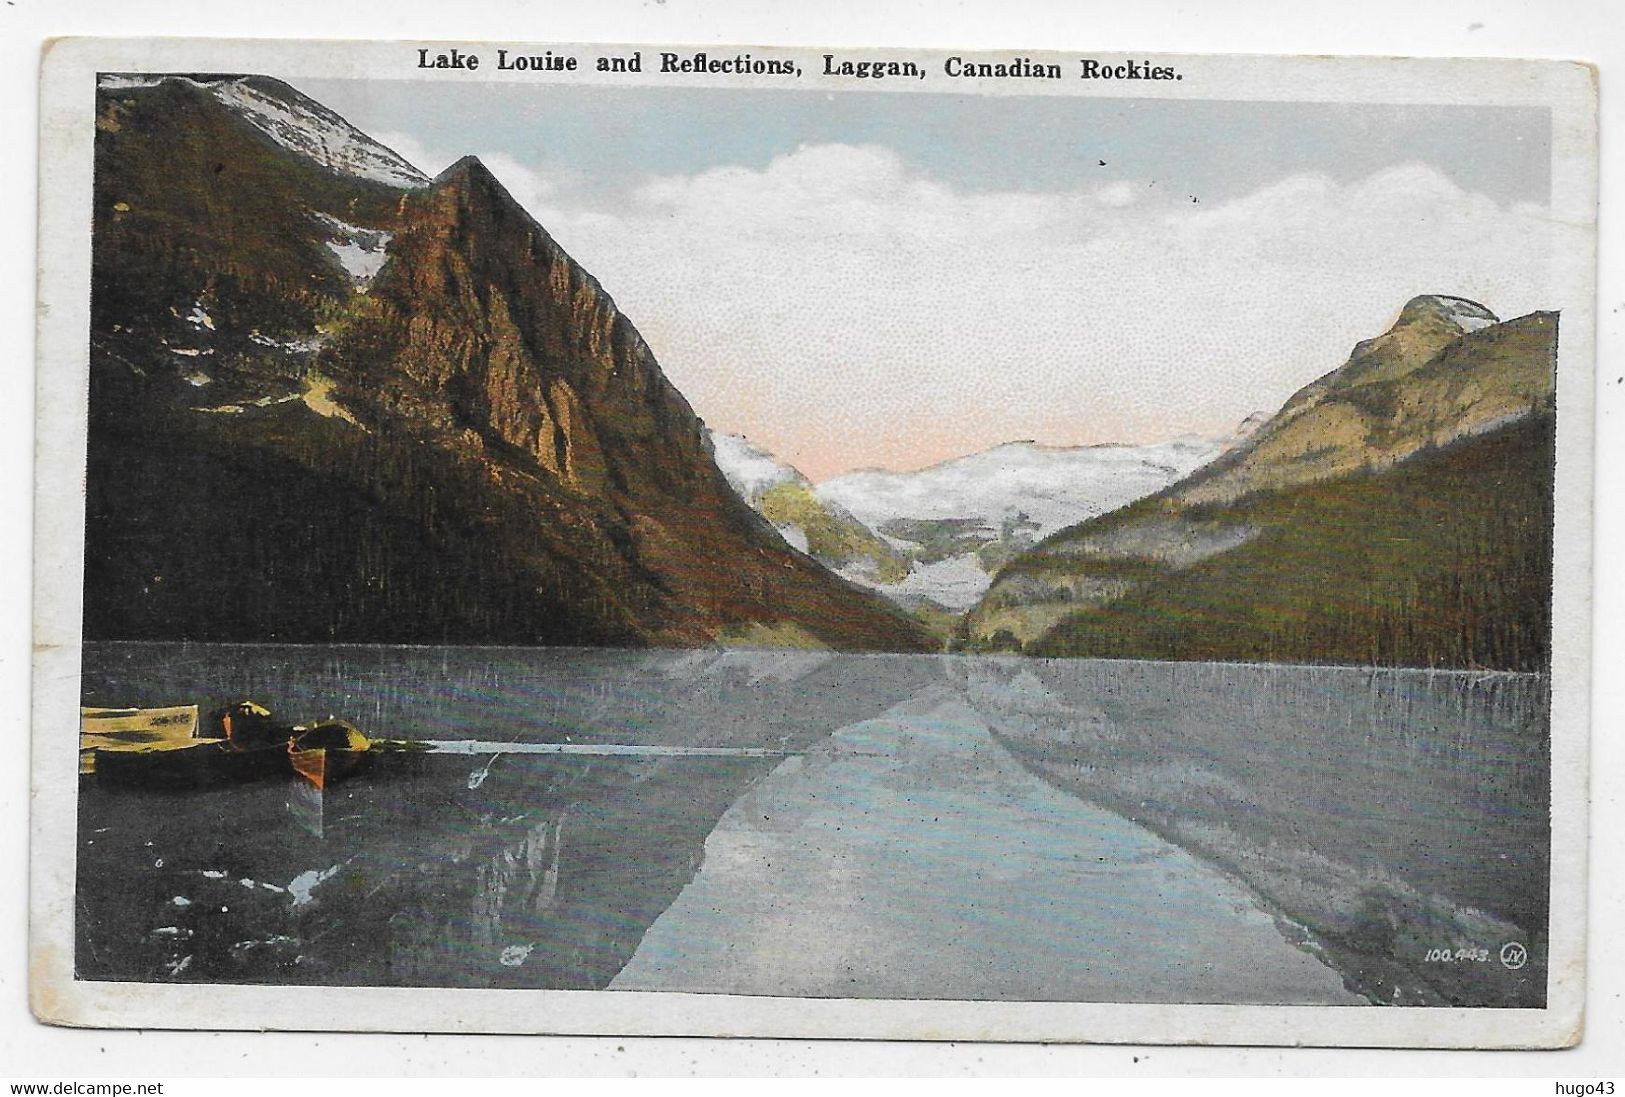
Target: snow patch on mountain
{"points": [[1467, 315], [289, 346], [749, 469], [752, 472], [360, 251], [359, 263], [120, 81], [198, 317]]}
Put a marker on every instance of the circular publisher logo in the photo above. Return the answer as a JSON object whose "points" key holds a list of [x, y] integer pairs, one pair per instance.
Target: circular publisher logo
{"points": [[1514, 955]]}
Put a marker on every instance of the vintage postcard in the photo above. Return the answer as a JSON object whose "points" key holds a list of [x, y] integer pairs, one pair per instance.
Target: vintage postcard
{"points": [[757, 541]]}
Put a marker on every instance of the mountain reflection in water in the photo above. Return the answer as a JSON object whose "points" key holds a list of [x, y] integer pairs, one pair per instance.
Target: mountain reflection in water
{"points": [[448, 868], [485, 864]]}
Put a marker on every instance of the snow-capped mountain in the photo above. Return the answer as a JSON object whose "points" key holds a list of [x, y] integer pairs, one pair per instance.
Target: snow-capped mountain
{"points": [[935, 536], [1040, 488], [297, 123]]}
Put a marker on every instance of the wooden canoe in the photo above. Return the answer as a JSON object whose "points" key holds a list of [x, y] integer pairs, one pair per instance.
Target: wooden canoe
{"points": [[327, 752]]}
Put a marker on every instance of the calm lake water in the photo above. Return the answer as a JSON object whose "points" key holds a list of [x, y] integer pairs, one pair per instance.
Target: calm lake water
{"points": [[798, 823]]}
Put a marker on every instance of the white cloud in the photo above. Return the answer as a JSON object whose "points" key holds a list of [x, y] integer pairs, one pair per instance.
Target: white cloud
{"points": [[530, 187], [1120, 193], [843, 311]]}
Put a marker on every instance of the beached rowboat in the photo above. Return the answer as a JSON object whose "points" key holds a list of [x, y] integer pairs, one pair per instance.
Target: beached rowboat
{"points": [[144, 731], [162, 747]]}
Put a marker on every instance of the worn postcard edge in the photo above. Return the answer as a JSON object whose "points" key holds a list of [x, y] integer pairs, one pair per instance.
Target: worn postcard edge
{"points": [[56, 997]]}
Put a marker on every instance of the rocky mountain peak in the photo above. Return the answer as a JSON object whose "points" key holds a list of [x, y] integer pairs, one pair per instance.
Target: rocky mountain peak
{"points": [[1425, 327], [469, 170], [1446, 369], [482, 322], [444, 429], [1458, 312]]}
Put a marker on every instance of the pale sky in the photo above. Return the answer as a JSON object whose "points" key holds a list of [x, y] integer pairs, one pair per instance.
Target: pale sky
{"points": [[885, 280]]}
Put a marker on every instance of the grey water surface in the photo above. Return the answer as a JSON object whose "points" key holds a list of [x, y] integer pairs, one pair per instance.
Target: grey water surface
{"points": [[784, 822], [912, 857]]}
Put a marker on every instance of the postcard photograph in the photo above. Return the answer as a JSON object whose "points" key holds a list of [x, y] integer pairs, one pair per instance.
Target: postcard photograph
{"points": [[804, 542]]}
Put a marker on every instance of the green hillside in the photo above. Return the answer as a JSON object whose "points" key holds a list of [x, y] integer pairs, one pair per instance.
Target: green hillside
{"points": [[1444, 560], [835, 540]]}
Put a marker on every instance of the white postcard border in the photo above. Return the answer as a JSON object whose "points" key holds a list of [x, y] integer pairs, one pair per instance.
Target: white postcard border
{"points": [[66, 139]]}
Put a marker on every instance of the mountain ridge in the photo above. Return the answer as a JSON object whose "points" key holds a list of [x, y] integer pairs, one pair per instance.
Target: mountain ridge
{"points": [[293, 120], [1447, 390], [1374, 409]]}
